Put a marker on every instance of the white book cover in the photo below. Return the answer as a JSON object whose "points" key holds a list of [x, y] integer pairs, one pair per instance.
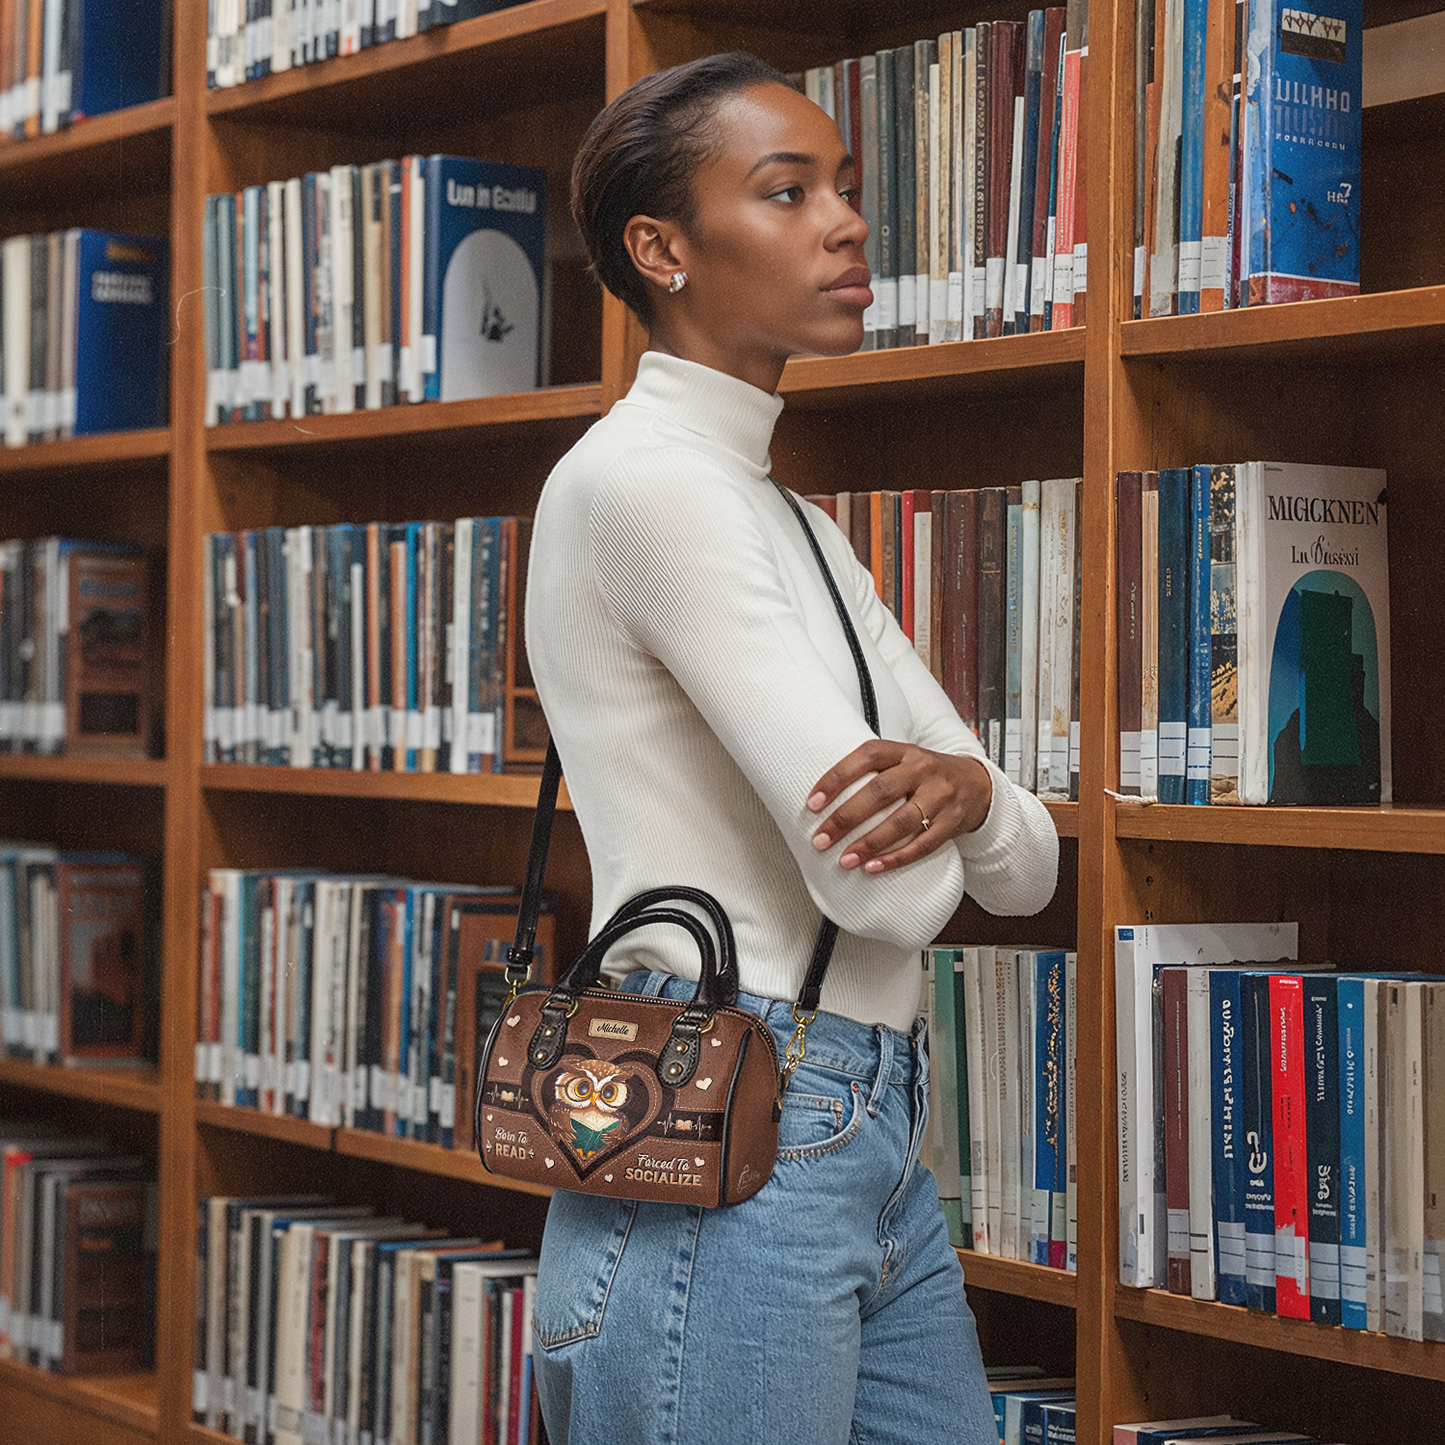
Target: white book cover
{"points": [[227, 882], [1139, 951], [1056, 630], [343, 287], [972, 275], [1404, 1175], [938, 984], [975, 1055], [322, 964], [373, 219], [1314, 634], [938, 192], [1164, 262], [1201, 1135], [293, 1278], [1015, 190], [1033, 1209], [464, 1423], [15, 252], [990, 962], [1029, 637], [1149, 639], [1375, 998], [1049, 500]]}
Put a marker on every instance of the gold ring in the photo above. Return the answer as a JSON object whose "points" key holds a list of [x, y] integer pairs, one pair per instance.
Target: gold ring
{"points": [[927, 821]]}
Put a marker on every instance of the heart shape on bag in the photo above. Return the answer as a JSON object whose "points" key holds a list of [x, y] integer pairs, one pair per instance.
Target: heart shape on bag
{"points": [[592, 1107]]}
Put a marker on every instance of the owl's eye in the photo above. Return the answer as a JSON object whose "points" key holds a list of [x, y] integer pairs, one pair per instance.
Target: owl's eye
{"points": [[613, 1093], [577, 1091]]}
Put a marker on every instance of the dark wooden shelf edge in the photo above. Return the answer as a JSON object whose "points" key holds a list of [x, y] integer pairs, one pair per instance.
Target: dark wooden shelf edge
{"points": [[1237, 1325], [1004, 361], [534, 19], [101, 450], [547, 406], [410, 1154], [90, 134], [129, 1400], [1378, 830], [73, 768], [1066, 818], [1015, 1277], [1339, 326], [130, 1088], [495, 790]]}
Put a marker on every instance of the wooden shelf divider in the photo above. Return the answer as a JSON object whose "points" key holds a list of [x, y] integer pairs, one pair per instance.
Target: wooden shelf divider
{"points": [[129, 1400]]}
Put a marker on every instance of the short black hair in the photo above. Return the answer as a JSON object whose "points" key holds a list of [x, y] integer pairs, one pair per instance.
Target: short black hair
{"points": [[639, 156]]}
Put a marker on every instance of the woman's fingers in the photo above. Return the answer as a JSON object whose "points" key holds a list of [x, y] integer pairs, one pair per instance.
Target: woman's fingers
{"points": [[887, 787], [901, 833], [871, 757]]}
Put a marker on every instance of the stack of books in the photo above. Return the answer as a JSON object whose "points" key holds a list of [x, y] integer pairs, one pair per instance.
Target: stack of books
{"points": [[1254, 634], [75, 650], [1274, 1129], [388, 646], [971, 175], [985, 583], [354, 1002], [364, 286], [1002, 1025], [85, 334], [77, 1253], [79, 976], [324, 1321]]}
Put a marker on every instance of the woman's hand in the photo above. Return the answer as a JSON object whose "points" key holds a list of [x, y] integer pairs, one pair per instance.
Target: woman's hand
{"points": [[938, 797]]}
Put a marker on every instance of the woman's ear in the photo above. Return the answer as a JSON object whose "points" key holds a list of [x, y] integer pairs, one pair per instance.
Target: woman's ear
{"points": [[652, 246]]}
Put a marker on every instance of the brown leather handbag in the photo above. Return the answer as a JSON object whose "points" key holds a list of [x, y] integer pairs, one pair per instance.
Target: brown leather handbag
{"points": [[607, 1092]]}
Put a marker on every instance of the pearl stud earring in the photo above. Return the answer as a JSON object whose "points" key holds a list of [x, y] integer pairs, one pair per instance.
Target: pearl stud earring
{"points": [[679, 280]]}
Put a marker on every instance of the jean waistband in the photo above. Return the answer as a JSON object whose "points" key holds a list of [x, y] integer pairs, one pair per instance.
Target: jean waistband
{"points": [[871, 1053]]}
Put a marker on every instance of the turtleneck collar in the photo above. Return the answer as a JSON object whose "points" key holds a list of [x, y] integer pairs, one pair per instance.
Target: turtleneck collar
{"points": [[714, 405]]}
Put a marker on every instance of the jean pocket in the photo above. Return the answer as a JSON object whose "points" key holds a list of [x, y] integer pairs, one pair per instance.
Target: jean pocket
{"points": [[817, 1124], [581, 1249]]}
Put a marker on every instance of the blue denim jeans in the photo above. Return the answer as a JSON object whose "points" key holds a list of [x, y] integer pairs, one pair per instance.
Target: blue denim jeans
{"points": [[828, 1309]]}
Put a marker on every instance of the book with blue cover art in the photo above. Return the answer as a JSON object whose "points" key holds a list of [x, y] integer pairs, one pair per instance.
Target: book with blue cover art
{"points": [[1174, 570], [1258, 1126], [1322, 1144], [1225, 1047], [1301, 174], [482, 278], [117, 55], [1350, 1005], [121, 331], [1197, 766]]}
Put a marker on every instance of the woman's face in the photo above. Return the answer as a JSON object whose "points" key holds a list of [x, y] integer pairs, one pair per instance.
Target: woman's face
{"points": [[774, 251]]}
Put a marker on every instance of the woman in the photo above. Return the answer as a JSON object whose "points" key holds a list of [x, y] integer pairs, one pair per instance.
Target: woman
{"points": [[706, 708]]}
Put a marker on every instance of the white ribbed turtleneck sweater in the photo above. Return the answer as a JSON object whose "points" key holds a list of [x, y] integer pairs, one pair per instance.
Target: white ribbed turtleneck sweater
{"points": [[698, 683]]}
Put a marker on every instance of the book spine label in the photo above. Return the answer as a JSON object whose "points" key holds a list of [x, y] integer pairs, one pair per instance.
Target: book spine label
{"points": [[1350, 1004], [1291, 1172], [1226, 1078], [1322, 1126]]}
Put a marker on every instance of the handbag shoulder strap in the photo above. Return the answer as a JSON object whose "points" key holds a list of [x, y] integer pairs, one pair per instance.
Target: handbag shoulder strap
{"points": [[519, 955]]}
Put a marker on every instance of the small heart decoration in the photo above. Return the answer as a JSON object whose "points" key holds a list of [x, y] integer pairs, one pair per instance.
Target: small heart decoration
{"points": [[550, 1163], [501, 1062], [716, 1043], [704, 1084], [514, 1021], [698, 1162], [489, 1118], [608, 1178]]}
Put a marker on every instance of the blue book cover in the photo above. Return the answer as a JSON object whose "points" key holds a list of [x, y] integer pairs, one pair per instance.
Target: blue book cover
{"points": [[1200, 645], [122, 318], [1174, 571], [1225, 1059], [1054, 183], [1191, 155], [1021, 1406], [1023, 255], [1060, 1426], [943, 1056], [117, 55], [1258, 1138], [1050, 1105], [1322, 1144], [482, 278], [965, 1122], [483, 745], [1302, 151], [1350, 1005]]}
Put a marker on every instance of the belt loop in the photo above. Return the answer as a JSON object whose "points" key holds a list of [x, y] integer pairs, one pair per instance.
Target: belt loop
{"points": [[885, 1068]]}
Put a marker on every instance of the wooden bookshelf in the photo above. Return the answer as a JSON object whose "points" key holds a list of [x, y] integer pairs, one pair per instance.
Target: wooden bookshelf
{"points": [[1356, 379]]}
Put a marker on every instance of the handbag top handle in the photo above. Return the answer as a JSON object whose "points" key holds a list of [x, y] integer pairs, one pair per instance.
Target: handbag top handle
{"points": [[519, 955]]}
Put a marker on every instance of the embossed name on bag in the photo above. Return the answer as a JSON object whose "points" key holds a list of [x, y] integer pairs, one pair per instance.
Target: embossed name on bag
{"points": [[611, 1029]]}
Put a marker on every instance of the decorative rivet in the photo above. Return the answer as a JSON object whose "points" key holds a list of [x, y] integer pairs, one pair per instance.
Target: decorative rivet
{"points": [[679, 1047]]}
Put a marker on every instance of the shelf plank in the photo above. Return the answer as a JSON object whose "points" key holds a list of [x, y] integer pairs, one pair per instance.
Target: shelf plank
{"points": [[1066, 818], [1378, 830], [1380, 326], [408, 1154], [137, 137], [106, 449], [129, 1400], [1237, 1325], [1013, 1276], [131, 1088], [497, 790], [1006, 363], [557, 44], [76, 768], [546, 407]]}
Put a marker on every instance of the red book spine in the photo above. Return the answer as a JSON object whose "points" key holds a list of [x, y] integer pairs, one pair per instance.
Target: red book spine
{"points": [[937, 568], [1064, 230], [1176, 1125], [1291, 1160]]}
